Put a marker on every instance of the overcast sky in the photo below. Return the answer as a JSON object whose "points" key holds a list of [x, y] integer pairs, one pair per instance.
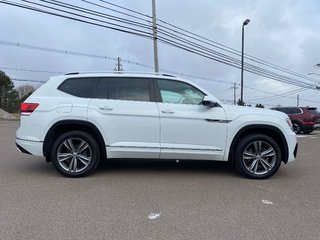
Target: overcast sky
{"points": [[285, 33]]}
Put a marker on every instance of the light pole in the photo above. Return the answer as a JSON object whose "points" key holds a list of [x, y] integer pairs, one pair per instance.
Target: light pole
{"points": [[242, 53]]}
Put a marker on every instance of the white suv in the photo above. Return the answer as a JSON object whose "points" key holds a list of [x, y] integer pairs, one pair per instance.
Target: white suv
{"points": [[76, 120]]}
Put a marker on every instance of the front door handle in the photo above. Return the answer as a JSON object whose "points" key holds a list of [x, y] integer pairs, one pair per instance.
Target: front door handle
{"points": [[106, 108], [167, 111]]}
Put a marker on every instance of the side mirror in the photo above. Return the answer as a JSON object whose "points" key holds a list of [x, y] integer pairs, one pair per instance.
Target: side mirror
{"points": [[208, 102]]}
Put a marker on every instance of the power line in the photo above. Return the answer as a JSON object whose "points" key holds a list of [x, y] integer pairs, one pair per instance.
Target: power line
{"points": [[260, 72], [64, 5], [26, 80], [113, 10], [253, 69], [202, 52], [96, 13], [68, 52], [277, 95], [210, 42], [124, 8], [254, 100], [31, 70], [231, 50], [137, 33]]}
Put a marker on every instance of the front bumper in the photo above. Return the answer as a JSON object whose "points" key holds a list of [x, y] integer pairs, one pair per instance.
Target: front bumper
{"points": [[295, 151], [308, 127], [292, 147]]}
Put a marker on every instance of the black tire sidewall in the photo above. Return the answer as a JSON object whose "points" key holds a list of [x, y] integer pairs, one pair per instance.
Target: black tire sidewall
{"points": [[94, 148], [299, 127], [243, 143], [307, 131]]}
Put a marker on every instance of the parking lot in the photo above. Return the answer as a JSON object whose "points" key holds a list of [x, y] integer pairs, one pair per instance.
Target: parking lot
{"points": [[193, 200]]}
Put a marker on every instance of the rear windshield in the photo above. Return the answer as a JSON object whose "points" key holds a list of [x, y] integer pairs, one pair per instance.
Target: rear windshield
{"points": [[313, 110]]}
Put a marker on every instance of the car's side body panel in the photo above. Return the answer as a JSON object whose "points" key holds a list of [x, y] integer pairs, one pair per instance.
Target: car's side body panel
{"points": [[131, 129], [192, 129]]}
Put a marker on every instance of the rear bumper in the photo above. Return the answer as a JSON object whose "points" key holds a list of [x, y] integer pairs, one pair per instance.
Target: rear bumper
{"points": [[21, 149], [29, 147], [308, 127]]}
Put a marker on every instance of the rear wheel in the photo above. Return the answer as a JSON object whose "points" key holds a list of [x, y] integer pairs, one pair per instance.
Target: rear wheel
{"points": [[296, 127], [307, 131], [257, 156], [75, 154]]}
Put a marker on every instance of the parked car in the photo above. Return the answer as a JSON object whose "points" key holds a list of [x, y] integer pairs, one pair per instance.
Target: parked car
{"points": [[315, 115], [76, 120], [302, 118]]}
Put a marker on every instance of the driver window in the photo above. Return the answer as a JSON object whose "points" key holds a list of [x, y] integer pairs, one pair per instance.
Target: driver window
{"points": [[178, 92]]}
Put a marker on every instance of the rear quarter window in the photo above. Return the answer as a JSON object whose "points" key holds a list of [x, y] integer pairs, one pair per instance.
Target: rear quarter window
{"points": [[79, 87], [284, 110]]}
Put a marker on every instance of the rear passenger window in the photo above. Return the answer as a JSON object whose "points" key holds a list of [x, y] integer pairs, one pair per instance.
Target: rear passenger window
{"points": [[102, 89], [79, 87], [134, 89], [285, 110], [295, 110]]}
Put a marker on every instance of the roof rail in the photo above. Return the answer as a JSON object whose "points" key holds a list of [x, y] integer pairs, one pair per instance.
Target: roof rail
{"points": [[71, 73], [121, 72]]}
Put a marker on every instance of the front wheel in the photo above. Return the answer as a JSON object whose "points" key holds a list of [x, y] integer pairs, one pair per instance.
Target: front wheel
{"points": [[296, 127], [75, 154], [257, 156]]}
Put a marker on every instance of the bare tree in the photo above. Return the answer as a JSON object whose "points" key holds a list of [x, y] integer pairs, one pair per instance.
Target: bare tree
{"points": [[25, 90]]}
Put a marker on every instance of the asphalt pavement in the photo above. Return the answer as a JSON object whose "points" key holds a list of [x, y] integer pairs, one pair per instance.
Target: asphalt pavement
{"points": [[157, 200]]}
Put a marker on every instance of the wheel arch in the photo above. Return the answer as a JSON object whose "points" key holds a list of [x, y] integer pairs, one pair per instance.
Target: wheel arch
{"points": [[268, 130], [70, 125]]}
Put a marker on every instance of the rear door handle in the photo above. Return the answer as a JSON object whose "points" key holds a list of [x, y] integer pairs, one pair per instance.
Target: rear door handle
{"points": [[106, 108], [167, 111]]}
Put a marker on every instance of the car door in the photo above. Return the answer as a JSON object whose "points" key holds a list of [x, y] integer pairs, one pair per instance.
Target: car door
{"points": [[123, 107], [189, 130]]}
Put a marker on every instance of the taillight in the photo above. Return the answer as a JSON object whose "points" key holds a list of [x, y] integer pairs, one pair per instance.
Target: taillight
{"points": [[27, 108]]}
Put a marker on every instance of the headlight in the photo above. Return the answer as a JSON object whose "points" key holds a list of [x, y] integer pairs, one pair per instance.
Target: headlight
{"points": [[289, 123]]}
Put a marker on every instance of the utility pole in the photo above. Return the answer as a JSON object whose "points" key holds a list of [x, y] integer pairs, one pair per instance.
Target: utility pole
{"points": [[118, 67], [234, 93], [297, 100], [155, 37]]}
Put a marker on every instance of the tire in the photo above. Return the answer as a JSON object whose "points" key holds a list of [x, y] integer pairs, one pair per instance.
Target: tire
{"points": [[296, 127], [307, 131], [75, 154], [257, 156]]}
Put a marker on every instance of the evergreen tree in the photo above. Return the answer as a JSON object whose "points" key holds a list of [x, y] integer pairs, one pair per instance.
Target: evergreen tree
{"points": [[9, 97], [259, 105]]}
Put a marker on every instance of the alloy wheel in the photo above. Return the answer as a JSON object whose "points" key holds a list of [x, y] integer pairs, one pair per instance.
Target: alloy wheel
{"points": [[74, 155], [259, 157]]}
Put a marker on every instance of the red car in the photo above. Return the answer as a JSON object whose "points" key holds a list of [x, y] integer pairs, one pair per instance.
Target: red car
{"points": [[315, 116], [304, 119]]}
